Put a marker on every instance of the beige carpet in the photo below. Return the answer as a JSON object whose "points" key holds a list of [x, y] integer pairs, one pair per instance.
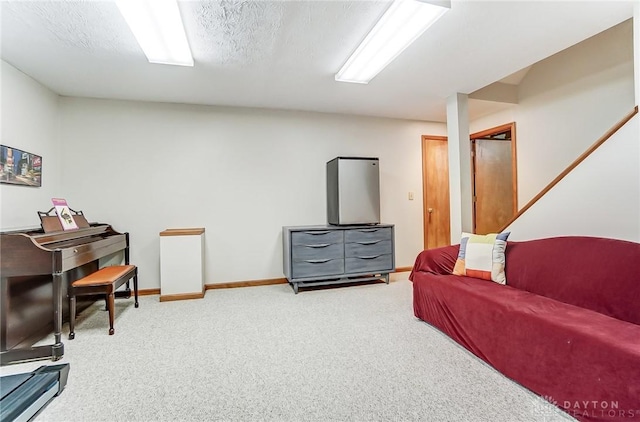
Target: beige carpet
{"points": [[352, 353]]}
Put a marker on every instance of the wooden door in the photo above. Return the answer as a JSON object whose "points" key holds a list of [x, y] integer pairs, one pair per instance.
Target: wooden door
{"points": [[495, 200], [435, 185]]}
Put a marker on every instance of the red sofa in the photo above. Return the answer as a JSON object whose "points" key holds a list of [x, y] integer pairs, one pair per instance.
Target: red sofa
{"points": [[566, 325]]}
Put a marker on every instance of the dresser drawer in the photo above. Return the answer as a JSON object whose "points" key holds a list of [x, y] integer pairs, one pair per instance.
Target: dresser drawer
{"points": [[317, 251], [369, 264], [317, 268], [367, 248], [367, 234], [317, 237]]}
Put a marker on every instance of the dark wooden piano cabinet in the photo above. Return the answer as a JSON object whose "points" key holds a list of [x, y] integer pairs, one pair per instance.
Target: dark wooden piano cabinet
{"points": [[36, 269]]}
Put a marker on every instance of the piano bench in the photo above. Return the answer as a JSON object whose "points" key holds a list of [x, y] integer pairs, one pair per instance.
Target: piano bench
{"points": [[104, 281]]}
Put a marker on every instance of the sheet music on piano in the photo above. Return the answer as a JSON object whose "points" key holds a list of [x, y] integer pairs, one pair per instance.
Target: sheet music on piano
{"points": [[64, 214]]}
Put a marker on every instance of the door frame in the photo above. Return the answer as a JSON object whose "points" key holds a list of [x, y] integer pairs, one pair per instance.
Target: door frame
{"points": [[514, 164], [425, 219]]}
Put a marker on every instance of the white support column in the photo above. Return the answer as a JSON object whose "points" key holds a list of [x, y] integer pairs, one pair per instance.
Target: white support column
{"points": [[459, 165]]}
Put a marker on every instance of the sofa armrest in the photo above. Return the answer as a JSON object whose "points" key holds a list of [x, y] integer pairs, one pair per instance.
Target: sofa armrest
{"points": [[436, 261]]}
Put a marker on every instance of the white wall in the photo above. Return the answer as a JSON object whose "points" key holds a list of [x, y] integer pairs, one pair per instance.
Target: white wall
{"points": [[29, 123], [600, 197], [566, 102], [240, 173]]}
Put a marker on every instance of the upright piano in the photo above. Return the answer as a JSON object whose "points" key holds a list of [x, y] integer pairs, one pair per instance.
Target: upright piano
{"points": [[36, 269]]}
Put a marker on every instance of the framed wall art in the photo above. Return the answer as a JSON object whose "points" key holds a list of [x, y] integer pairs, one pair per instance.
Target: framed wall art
{"points": [[19, 167]]}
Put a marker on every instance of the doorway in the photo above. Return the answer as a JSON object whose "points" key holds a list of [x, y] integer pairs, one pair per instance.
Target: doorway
{"points": [[435, 191], [494, 183], [494, 173]]}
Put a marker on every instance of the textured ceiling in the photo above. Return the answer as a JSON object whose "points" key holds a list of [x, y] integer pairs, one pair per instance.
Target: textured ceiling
{"points": [[284, 54]]}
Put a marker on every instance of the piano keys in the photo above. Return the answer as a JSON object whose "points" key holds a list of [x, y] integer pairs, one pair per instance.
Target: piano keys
{"points": [[36, 269]]}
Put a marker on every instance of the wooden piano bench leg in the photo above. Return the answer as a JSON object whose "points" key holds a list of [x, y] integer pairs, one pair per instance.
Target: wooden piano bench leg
{"points": [[112, 306], [135, 286]]}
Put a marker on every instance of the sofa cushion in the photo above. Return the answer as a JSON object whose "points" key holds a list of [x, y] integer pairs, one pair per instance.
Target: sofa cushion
{"points": [[482, 256], [593, 273]]}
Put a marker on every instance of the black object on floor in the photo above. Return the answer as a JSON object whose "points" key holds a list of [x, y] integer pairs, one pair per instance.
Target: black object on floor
{"points": [[22, 396]]}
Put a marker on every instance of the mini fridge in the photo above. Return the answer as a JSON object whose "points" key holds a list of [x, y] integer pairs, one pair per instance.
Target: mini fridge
{"points": [[353, 191]]}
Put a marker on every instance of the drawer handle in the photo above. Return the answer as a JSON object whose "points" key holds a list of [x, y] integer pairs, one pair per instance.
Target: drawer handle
{"points": [[316, 233], [321, 245], [372, 242], [370, 256], [317, 261], [368, 230]]}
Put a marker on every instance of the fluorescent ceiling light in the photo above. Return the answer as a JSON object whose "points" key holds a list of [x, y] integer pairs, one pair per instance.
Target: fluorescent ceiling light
{"points": [[157, 26], [401, 24]]}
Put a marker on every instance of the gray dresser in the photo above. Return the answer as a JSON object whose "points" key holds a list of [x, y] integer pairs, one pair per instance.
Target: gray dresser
{"points": [[319, 255]]}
